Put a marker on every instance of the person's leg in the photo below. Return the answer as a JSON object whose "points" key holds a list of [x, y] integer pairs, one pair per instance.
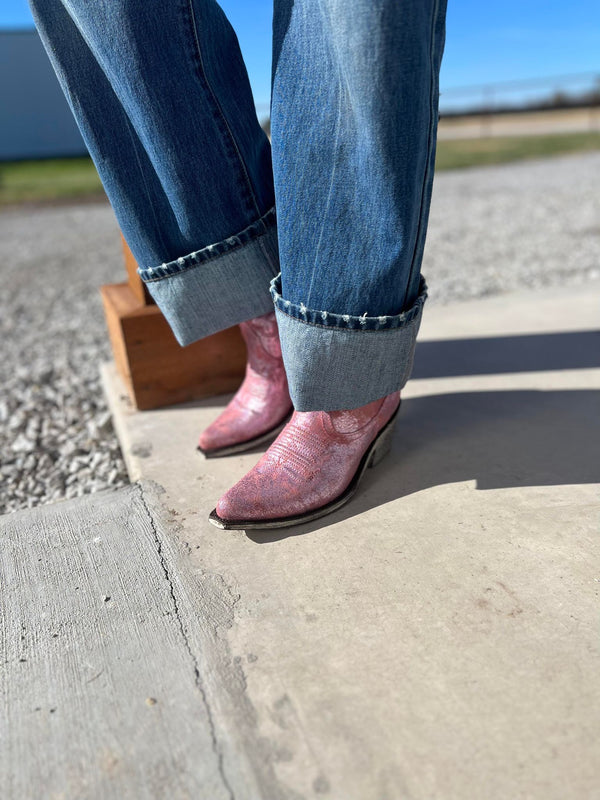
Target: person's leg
{"points": [[160, 93], [161, 96], [354, 119]]}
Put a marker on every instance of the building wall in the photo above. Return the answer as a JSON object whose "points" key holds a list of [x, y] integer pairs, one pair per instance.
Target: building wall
{"points": [[35, 119]]}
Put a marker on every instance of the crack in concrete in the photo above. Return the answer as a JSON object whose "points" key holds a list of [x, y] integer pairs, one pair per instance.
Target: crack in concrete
{"points": [[196, 669]]}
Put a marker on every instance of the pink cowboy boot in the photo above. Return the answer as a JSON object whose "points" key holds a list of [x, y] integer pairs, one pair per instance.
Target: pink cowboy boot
{"points": [[311, 469], [262, 404]]}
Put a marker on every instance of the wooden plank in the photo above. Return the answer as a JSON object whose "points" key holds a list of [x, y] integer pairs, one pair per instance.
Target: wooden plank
{"points": [[137, 285], [116, 306], [102, 692], [157, 370]]}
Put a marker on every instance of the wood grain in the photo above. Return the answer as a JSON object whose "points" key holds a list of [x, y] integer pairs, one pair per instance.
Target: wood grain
{"points": [[137, 285], [157, 370]]}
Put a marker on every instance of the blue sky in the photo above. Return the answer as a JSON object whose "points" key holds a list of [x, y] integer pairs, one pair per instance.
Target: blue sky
{"points": [[485, 41]]}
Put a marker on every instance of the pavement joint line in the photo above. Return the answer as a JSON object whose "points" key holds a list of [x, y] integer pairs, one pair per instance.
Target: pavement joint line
{"points": [[195, 664]]}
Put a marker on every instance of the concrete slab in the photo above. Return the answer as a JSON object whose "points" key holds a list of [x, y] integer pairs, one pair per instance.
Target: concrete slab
{"points": [[106, 679], [437, 637]]}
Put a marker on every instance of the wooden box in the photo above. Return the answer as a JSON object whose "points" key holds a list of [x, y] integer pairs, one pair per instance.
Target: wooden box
{"points": [[155, 368]]}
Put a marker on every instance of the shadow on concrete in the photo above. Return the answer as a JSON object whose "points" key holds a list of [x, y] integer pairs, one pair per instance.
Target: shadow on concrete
{"points": [[499, 439], [496, 355]]}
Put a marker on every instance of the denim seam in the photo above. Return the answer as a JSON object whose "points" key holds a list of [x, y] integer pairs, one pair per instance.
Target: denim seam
{"points": [[262, 226], [220, 113], [265, 250], [74, 103], [134, 144], [430, 142]]}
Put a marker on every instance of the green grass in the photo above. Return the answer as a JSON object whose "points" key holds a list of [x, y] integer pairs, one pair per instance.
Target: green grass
{"points": [[49, 180], [76, 178], [501, 149]]}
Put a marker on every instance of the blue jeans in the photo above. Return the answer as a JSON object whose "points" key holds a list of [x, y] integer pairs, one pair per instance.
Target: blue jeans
{"points": [[160, 93]]}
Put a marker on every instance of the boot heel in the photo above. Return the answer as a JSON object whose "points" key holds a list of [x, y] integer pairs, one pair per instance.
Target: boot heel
{"points": [[383, 444]]}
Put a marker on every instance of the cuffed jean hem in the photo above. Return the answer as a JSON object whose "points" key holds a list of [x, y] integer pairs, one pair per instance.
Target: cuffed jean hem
{"points": [[339, 361], [220, 285]]}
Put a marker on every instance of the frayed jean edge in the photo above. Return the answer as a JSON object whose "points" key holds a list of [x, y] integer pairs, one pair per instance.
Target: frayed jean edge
{"points": [[342, 361]]}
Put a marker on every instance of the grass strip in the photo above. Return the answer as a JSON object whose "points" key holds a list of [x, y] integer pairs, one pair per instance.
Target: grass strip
{"points": [[461, 153], [53, 180], [48, 180]]}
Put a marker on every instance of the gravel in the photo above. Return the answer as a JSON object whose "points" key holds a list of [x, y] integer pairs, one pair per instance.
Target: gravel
{"points": [[492, 230], [56, 435], [511, 227]]}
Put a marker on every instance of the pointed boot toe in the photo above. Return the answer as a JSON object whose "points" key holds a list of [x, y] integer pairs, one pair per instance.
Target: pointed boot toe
{"points": [[311, 469]]}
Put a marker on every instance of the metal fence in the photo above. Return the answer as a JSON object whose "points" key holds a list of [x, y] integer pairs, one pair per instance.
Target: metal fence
{"points": [[560, 91], [479, 109], [558, 104]]}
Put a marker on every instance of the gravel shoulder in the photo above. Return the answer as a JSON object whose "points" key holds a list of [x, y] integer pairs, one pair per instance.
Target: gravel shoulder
{"points": [[56, 436], [492, 230]]}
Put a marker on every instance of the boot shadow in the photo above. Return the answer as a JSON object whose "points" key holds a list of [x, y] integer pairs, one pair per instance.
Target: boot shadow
{"points": [[505, 439], [500, 439]]}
